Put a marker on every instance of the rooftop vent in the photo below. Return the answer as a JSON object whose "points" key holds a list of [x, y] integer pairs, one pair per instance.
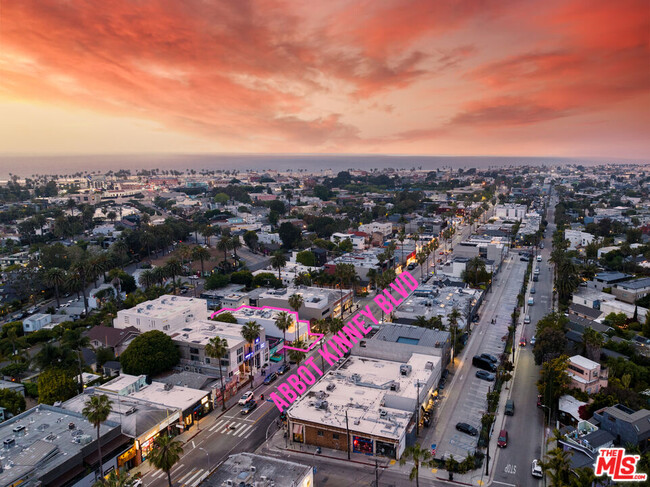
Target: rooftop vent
{"points": [[168, 387], [383, 413], [331, 387], [355, 377], [405, 370], [394, 386], [71, 426], [428, 366]]}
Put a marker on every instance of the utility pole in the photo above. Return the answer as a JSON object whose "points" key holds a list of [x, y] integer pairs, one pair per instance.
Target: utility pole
{"points": [[347, 429], [417, 411], [487, 458], [376, 473]]}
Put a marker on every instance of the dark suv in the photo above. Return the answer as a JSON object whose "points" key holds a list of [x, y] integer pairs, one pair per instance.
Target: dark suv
{"points": [[467, 428], [489, 358]]}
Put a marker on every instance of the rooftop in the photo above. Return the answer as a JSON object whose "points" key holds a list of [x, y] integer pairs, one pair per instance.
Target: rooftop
{"points": [[238, 469], [635, 284], [611, 276], [200, 332], [378, 397], [584, 362], [411, 334], [165, 306]]}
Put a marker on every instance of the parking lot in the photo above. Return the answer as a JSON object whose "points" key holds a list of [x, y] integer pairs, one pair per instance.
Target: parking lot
{"points": [[464, 399]]}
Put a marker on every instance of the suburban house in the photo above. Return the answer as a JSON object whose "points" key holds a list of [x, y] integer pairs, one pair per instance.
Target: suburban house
{"points": [[117, 339], [586, 375], [631, 291], [626, 425]]}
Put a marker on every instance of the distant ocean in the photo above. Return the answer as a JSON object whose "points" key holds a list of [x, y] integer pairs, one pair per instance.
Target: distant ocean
{"points": [[26, 166]]}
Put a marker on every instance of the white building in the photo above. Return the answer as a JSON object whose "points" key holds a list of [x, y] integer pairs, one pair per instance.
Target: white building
{"points": [[265, 317], [510, 211], [385, 228], [36, 322], [318, 303], [269, 238], [358, 242], [166, 314], [578, 238]]}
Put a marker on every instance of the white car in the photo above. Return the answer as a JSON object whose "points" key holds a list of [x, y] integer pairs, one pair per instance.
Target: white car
{"points": [[527, 320], [539, 258], [536, 469], [532, 341], [248, 396], [531, 301]]}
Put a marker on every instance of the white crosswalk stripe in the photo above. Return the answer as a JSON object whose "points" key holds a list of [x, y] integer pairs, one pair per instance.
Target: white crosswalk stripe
{"points": [[194, 478], [241, 433], [216, 425], [182, 479]]}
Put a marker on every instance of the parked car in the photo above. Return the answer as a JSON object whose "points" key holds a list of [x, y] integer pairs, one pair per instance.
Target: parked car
{"points": [[466, 428], [539, 258], [284, 368], [248, 407], [531, 301], [532, 290], [522, 342], [536, 469], [510, 408], [532, 340], [502, 441], [246, 398], [270, 378], [489, 357], [411, 266], [483, 363], [484, 375], [526, 319]]}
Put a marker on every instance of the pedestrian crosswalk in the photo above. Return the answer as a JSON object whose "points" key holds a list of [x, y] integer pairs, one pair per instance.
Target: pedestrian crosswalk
{"points": [[228, 426], [191, 478]]}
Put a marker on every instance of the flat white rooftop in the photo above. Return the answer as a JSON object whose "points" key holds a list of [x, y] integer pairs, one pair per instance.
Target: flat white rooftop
{"points": [[362, 387], [201, 332]]}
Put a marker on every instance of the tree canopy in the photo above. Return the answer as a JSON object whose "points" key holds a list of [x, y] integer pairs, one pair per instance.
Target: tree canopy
{"points": [[151, 353]]}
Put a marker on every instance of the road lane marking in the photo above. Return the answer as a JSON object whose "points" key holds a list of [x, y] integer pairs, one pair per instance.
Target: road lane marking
{"points": [[503, 483], [194, 477], [216, 425], [244, 431], [182, 479]]}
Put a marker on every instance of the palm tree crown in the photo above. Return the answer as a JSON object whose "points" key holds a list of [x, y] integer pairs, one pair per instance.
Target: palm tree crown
{"points": [[96, 411], [165, 454]]}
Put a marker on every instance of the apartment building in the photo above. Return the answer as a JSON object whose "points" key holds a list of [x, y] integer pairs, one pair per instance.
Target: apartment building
{"points": [[167, 314], [631, 291], [358, 241], [318, 303], [385, 228], [586, 375], [510, 211], [578, 238]]}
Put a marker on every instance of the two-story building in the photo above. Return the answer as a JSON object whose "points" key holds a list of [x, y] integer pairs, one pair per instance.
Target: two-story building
{"points": [[628, 427], [631, 291], [586, 375], [166, 314]]}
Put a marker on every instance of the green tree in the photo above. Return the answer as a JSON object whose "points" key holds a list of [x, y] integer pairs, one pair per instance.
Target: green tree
{"points": [[96, 411], [250, 332], [550, 343], [283, 322], [12, 401], [278, 261], [235, 244], [226, 317], [307, 258], [55, 277], [289, 234], [165, 454], [297, 355], [223, 245], [55, 385], [151, 353], [76, 341], [421, 457], [295, 302], [557, 467], [554, 381], [116, 479], [251, 239], [173, 268], [202, 254], [217, 348], [592, 342]]}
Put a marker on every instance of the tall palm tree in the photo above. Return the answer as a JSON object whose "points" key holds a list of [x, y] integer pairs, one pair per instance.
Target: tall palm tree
{"points": [[74, 340], [235, 244], [372, 276], [557, 466], [223, 245], [278, 261], [592, 342], [173, 268], [421, 458], [218, 348], [421, 258], [453, 326], [83, 270], [583, 476], [251, 332], [283, 322], [201, 254], [345, 274], [166, 453], [401, 237], [295, 302], [147, 278], [55, 277], [297, 355], [96, 411]]}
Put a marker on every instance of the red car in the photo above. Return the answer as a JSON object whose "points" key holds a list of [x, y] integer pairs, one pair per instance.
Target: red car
{"points": [[502, 442], [522, 342]]}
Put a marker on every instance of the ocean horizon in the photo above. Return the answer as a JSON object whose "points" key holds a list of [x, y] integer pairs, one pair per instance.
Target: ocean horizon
{"points": [[27, 166]]}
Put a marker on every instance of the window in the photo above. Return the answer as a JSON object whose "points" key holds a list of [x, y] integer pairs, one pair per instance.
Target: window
{"points": [[194, 350], [126, 319], [207, 360], [225, 362], [335, 436], [320, 433], [194, 358], [138, 321]]}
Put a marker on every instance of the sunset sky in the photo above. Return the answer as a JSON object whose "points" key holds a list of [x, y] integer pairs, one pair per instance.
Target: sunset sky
{"points": [[541, 78]]}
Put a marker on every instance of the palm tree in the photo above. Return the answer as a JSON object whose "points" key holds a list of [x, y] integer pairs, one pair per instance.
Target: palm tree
{"points": [[297, 355], [453, 326], [115, 479], [201, 254], [583, 476], [224, 246], [55, 277], [96, 411], [235, 244], [345, 274], [421, 458], [159, 274], [147, 278], [295, 302], [283, 322], [218, 348], [557, 466], [83, 270], [166, 453], [592, 342], [421, 258], [173, 267], [401, 237], [74, 340], [251, 332], [278, 261], [111, 216], [372, 276]]}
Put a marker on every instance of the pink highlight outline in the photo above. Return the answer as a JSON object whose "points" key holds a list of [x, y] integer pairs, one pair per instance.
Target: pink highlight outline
{"points": [[294, 313]]}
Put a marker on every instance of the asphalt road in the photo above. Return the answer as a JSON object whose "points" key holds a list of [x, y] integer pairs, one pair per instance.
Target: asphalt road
{"points": [[526, 427]]}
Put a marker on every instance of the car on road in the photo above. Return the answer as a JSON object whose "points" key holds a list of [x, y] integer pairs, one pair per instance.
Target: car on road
{"points": [[532, 340], [522, 342], [531, 301], [485, 375], [541, 246], [536, 469], [527, 320], [248, 407], [284, 368], [270, 378], [532, 290], [137, 483], [489, 357], [539, 258], [510, 408], [502, 441], [246, 398], [411, 266], [536, 271], [467, 428]]}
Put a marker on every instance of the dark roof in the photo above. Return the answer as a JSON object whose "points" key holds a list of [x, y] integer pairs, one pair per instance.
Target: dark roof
{"points": [[89, 356], [425, 337], [598, 438], [574, 336], [639, 419], [611, 276], [187, 379], [111, 337], [578, 323], [635, 284], [113, 365], [584, 310], [612, 354]]}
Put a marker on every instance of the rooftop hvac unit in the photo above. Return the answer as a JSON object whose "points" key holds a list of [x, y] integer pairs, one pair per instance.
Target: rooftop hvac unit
{"points": [[383, 413], [331, 387], [428, 366], [355, 377], [228, 483], [405, 370], [394, 386], [253, 469], [85, 439], [264, 478]]}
